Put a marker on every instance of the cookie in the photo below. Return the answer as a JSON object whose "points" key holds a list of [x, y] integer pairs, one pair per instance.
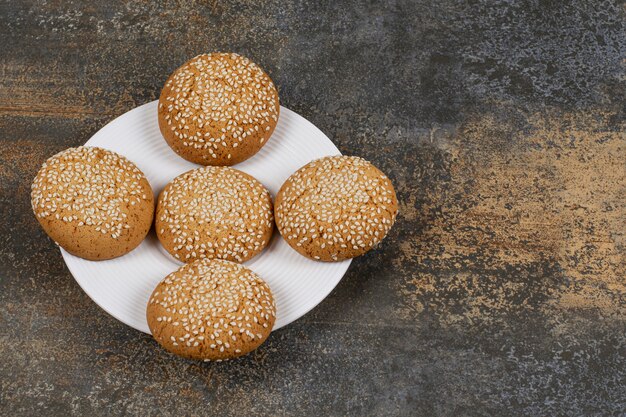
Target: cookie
{"points": [[218, 109], [335, 208], [94, 203], [211, 309], [214, 212]]}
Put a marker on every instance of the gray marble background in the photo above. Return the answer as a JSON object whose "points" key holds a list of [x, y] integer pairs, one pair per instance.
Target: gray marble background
{"points": [[501, 289]]}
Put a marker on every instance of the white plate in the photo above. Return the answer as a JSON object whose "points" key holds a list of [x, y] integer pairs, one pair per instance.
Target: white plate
{"points": [[123, 285]]}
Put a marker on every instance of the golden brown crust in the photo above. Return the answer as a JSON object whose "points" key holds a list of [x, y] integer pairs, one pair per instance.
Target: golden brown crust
{"points": [[94, 203], [218, 109], [214, 212], [335, 208], [211, 310]]}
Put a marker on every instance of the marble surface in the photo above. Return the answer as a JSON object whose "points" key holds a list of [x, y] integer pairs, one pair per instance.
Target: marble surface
{"points": [[501, 290]]}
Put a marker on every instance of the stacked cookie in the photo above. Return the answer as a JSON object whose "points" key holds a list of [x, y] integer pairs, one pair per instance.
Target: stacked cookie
{"points": [[216, 110]]}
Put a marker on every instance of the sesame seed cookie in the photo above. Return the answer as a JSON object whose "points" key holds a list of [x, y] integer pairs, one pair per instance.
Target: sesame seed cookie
{"points": [[94, 203], [335, 208], [218, 109], [211, 309], [214, 212]]}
